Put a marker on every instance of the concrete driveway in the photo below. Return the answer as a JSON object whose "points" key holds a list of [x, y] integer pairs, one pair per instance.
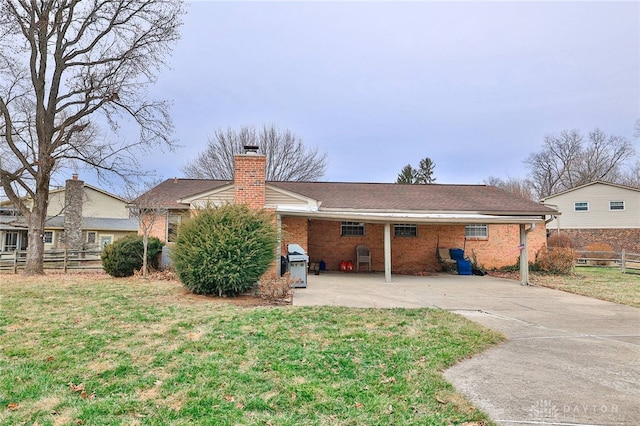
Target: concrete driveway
{"points": [[569, 360]]}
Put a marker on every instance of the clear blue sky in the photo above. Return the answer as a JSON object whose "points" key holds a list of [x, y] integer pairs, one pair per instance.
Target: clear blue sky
{"points": [[475, 86]]}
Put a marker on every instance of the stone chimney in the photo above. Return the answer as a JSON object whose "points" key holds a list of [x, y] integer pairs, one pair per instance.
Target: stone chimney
{"points": [[249, 178], [73, 199]]}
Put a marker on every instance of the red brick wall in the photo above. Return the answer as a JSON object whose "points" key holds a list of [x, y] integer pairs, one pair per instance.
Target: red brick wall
{"points": [[249, 180], [619, 239], [502, 246], [294, 230], [416, 254], [159, 228]]}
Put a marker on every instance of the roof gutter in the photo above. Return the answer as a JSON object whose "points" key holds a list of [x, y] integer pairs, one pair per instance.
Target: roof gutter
{"points": [[417, 218]]}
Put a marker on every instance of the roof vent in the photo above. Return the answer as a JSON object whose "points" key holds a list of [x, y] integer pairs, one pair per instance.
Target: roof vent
{"points": [[251, 149]]}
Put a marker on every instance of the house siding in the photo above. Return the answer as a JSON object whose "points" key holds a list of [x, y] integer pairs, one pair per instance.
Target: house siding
{"points": [[618, 228], [599, 216]]}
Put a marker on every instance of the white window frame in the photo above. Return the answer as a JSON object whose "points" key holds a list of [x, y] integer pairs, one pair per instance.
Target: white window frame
{"points": [[617, 203], [578, 206], [352, 229], [405, 230], [95, 237], [478, 231], [46, 234]]}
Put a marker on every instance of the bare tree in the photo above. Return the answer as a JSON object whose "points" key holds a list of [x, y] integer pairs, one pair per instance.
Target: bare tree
{"points": [[149, 210], [65, 67], [520, 187], [568, 160], [287, 157]]}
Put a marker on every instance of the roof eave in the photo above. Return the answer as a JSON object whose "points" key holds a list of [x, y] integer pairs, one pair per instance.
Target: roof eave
{"points": [[418, 218]]}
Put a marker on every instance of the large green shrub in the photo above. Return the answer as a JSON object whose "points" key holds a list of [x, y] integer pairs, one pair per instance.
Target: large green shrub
{"points": [[124, 256], [224, 250]]}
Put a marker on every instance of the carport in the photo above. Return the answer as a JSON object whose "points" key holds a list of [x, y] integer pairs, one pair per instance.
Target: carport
{"points": [[525, 224]]}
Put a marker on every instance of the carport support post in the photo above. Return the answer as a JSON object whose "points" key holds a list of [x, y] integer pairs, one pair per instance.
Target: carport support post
{"points": [[524, 255], [387, 252]]}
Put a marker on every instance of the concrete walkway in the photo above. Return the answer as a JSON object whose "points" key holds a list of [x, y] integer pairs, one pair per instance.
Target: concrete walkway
{"points": [[569, 360]]}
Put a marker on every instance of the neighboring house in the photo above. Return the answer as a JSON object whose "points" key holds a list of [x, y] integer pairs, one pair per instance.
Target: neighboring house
{"points": [[598, 212], [402, 224], [79, 216]]}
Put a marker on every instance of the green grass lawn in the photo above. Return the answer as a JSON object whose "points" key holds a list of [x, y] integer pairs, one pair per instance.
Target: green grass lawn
{"points": [[599, 282], [102, 351]]}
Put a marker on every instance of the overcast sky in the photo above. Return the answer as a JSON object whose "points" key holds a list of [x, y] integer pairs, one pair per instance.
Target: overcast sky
{"points": [[475, 86]]}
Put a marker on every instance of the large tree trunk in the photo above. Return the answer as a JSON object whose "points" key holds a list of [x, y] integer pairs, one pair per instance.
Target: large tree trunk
{"points": [[36, 220]]}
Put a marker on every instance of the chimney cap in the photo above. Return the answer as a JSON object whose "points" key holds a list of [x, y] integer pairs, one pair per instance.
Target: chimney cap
{"points": [[251, 149], [74, 176]]}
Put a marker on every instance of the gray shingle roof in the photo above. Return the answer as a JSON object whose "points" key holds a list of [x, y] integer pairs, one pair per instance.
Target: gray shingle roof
{"points": [[170, 191], [433, 197], [374, 196]]}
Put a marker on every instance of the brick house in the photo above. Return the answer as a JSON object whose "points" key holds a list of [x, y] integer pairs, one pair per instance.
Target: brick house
{"points": [[598, 212], [402, 224]]}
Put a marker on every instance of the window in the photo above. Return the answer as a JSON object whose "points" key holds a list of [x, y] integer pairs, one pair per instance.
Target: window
{"points": [[173, 223], [405, 230], [352, 228], [91, 237], [10, 241], [581, 206], [105, 240], [476, 231], [616, 205], [47, 237]]}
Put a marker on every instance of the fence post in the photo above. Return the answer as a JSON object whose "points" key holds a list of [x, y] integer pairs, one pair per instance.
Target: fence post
{"points": [[64, 261], [15, 261], [622, 262]]}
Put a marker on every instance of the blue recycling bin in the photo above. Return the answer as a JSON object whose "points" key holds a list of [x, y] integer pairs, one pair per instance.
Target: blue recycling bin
{"points": [[464, 267]]}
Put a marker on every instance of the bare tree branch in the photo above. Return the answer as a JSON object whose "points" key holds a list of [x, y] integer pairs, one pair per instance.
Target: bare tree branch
{"points": [[65, 67], [569, 160], [288, 159]]}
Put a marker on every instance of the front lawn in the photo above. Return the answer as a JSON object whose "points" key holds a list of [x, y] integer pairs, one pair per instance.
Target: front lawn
{"points": [[598, 282], [96, 350]]}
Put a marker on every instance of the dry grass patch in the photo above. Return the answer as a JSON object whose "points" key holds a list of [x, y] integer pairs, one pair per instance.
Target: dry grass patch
{"points": [[601, 283]]}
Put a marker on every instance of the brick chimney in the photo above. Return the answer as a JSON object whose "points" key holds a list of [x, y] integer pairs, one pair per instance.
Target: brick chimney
{"points": [[249, 178], [73, 200]]}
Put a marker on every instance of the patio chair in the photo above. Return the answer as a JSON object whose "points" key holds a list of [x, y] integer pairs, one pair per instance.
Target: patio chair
{"points": [[363, 255], [444, 259]]}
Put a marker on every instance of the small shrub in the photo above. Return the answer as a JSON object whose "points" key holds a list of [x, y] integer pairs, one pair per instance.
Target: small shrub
{"points": [[600, 252], [224, 250], [556, 260], [560, 240], [124, 256], [276, 289]]}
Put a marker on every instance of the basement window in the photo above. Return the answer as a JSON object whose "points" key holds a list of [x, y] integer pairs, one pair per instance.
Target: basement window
{"points": [[405, 230], [477, 231], [352, 229]]}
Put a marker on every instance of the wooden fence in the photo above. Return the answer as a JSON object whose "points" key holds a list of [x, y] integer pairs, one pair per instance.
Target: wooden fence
{"points": [[623, 260], [65, 260]]}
